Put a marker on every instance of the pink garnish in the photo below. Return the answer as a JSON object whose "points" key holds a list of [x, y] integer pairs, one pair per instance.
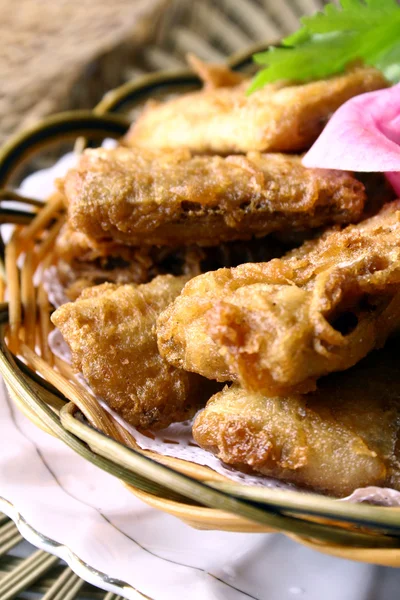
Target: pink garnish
{"points": [[362, 135]]}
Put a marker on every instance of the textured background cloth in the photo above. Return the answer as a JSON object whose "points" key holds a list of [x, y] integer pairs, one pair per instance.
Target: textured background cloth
{"points": [[59, 54]]}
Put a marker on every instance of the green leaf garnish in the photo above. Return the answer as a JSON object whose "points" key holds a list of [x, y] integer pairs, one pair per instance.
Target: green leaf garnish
{"points": [[366, 30]]}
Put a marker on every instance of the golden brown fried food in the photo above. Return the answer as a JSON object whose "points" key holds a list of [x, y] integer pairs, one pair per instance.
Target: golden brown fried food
{"points": [[172, 198], [214, 75], [110, 330], [83, 262], [339, 438], [282, 117], [73, 245], [276, 327]]}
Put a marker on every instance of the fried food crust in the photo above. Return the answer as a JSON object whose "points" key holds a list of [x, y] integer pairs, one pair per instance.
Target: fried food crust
{"points": [[277, 327], [214, 75], [110, 330], [83, 262], [281, 117], [171, 198], [334, 440]]}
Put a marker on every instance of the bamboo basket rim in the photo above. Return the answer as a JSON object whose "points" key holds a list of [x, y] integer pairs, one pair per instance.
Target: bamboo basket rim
{"points": [[315, 520]]}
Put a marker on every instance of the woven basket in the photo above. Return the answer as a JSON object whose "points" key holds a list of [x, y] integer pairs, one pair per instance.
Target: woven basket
{"points": [[45, 388]]}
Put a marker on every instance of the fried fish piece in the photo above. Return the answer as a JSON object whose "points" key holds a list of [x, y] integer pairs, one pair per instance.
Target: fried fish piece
{"points": [[110, 330], [171, 198], [281, 117], [341, 437], [214, 75], [277, 327], [83, 262], [74, 245]]}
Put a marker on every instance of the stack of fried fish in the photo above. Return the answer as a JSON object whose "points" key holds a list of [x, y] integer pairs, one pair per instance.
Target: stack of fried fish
{"points": [[221, 258]]}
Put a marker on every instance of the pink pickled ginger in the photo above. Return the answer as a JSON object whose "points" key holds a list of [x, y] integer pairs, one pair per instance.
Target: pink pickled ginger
{"points": [[363, 135]]}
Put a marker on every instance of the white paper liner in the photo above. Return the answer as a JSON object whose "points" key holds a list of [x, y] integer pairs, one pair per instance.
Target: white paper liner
{"points": [[54, 289], [176, 440]]}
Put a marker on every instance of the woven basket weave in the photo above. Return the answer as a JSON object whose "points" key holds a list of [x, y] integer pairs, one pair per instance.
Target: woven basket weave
{"points": [[46, 390]]}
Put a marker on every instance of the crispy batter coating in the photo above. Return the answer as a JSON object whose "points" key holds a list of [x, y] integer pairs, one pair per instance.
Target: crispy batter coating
{"points": [[282, 117], [110, 330], [83, 262], [74, 245], [276, 327], [142, 197], [334, 440], [214, 75]]}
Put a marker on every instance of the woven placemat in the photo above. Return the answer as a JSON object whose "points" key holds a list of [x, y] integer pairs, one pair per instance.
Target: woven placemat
{"points": [[44, 72], [60, 54]]}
